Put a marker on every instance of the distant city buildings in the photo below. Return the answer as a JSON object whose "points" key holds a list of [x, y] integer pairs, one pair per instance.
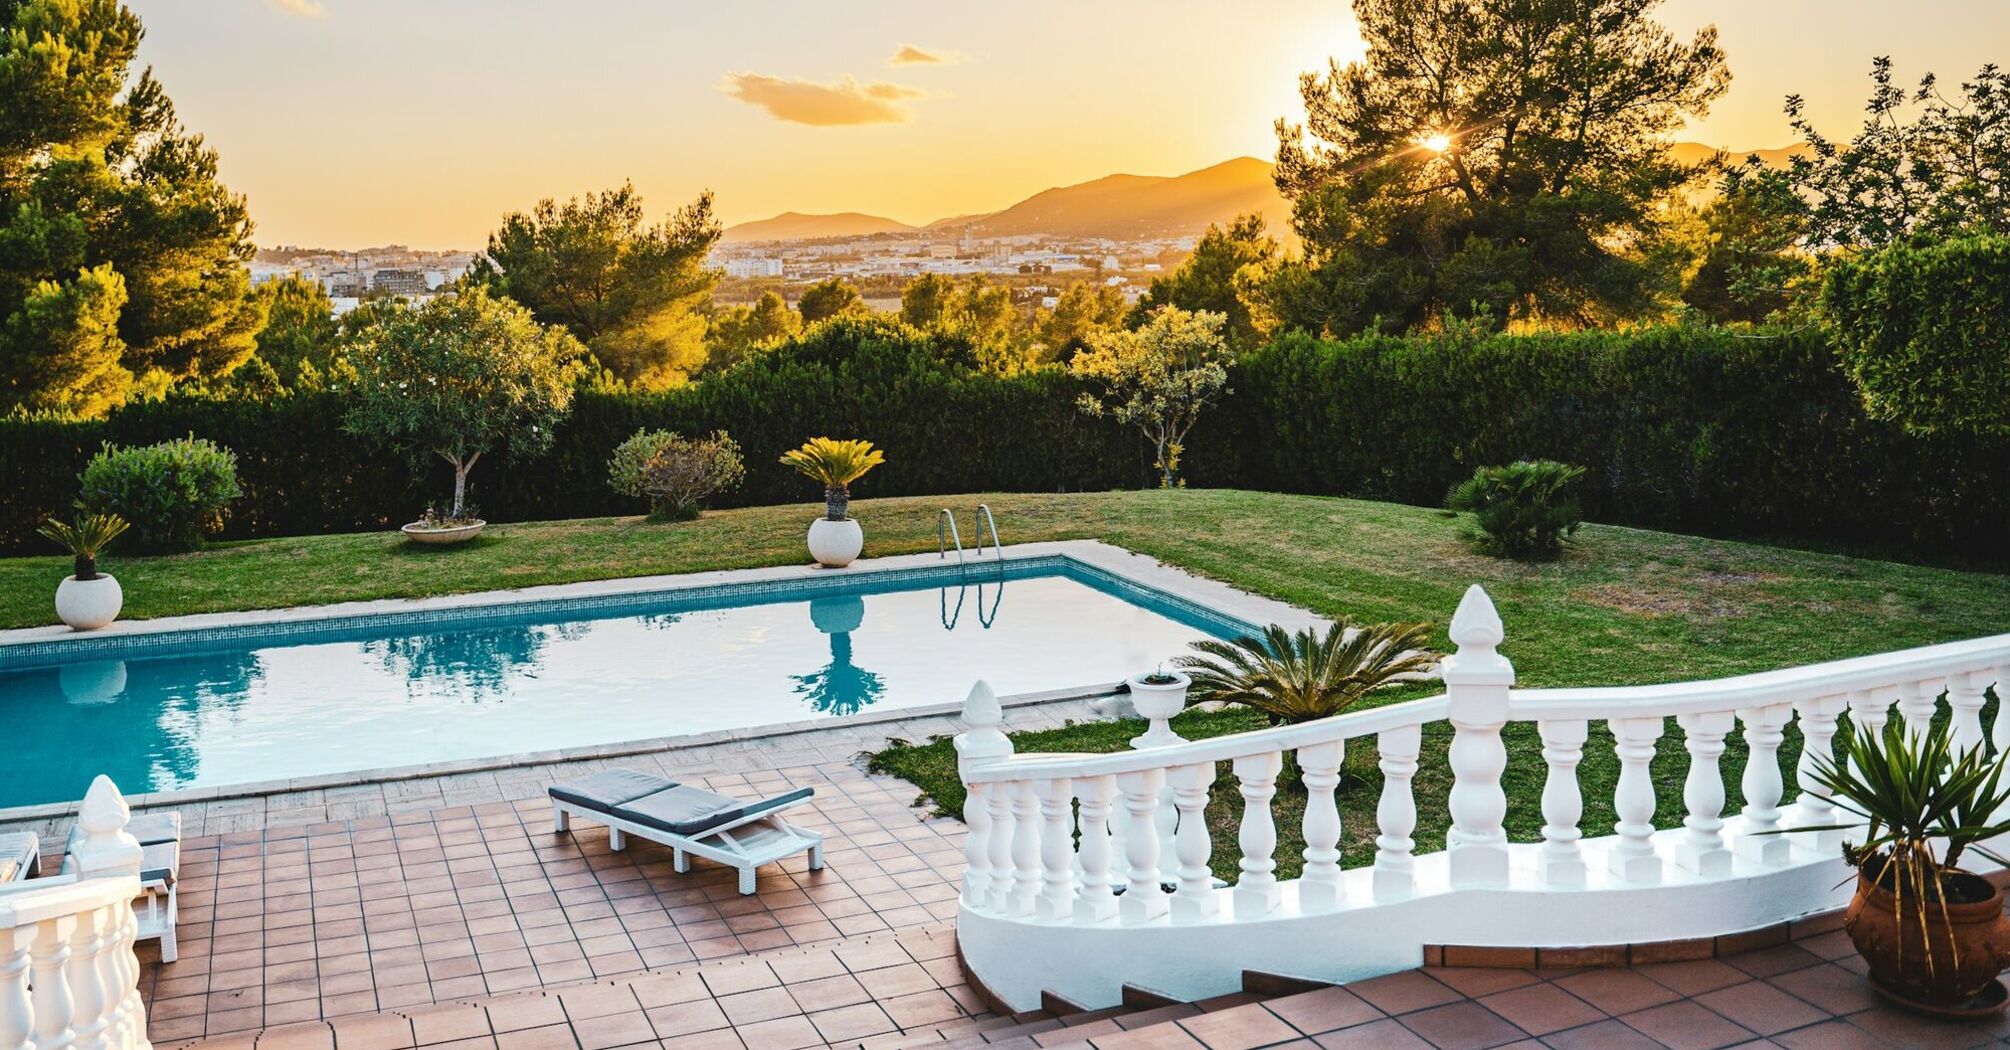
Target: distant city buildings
{"points": [[349, 277]]}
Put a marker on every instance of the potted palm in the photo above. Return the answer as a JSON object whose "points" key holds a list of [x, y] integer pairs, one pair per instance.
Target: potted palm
{"points": [[835, 538], [1934, 936], [87, 599], [1301, 677]]}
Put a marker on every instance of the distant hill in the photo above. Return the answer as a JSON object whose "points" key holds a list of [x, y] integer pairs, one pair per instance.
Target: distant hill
{"points": [[1132, 206], [1696, 152], [796, 226]]}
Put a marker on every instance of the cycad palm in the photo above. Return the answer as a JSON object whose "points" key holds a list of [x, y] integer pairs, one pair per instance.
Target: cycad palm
{"points": [[1305, 676], [836, 464]]}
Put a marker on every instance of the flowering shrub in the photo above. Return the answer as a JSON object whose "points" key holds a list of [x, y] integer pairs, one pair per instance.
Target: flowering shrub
{"points": [[674, 473]]}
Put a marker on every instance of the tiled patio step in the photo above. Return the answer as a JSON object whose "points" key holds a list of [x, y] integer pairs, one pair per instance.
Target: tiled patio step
{"points": [[1041, 1029]]}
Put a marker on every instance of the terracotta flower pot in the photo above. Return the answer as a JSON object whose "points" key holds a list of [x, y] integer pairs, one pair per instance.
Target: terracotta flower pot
{"points": [[1969, 942]]}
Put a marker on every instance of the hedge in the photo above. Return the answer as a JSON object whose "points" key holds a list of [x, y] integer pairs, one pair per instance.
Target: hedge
{"points": [[1693, 429]]}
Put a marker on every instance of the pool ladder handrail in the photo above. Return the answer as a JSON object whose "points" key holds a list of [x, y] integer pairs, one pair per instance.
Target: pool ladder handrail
{"points": [[943, 535]]}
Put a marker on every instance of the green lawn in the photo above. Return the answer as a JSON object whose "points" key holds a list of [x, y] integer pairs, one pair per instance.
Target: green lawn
{"points": [[1623, 605]]}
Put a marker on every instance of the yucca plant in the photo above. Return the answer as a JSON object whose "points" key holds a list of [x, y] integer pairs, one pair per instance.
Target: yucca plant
{"points": [[1522, 510], [1923, 803], [84, 538], [1305, 676], [836, 464]]}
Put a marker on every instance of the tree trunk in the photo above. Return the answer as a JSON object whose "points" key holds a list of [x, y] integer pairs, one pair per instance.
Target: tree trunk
{"points": [[460, 488]]}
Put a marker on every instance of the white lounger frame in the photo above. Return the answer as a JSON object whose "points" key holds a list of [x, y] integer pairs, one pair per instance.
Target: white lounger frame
{"points": [[745, 844]]}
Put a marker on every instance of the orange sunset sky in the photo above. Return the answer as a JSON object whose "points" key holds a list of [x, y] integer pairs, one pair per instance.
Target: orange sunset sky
{"points": [[359, 122]]}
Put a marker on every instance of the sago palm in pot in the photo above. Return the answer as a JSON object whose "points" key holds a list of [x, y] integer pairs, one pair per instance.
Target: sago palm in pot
{"points": [[835, 539]]}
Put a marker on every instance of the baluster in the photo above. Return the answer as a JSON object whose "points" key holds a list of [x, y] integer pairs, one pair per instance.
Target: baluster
{"points": [[977, 845], [1764, 729], [130, 1017], [1057, 850], [1192, 845], [1142, 900], [1702, 847], [1561, 859], [1095, 902], [1025, 848], [1965, 699], [1319, 886], [1632, 856], [1256, 889], [1165, 821], [1999, 730], [1396, 812], [91, 1005], [1916, 702], [1477, 678], [999, 796], [48, 957], [1813, 808], [18, 1018]]}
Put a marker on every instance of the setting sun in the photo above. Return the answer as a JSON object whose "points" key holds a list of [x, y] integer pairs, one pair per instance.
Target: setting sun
{"points": [[1436, 142]]}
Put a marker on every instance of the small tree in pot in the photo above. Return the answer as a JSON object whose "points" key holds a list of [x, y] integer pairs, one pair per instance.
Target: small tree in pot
{"points": [[460, 375], [835, 539], [1934, 936]]}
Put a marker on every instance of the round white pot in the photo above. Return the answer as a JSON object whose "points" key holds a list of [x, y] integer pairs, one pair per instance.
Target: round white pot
{"points": [[418, 533], [87, 605], [834, 544], [1158, 702]]}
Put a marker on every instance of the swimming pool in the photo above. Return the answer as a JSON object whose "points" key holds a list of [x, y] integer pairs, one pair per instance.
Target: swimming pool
{"points": [[295, 700]]}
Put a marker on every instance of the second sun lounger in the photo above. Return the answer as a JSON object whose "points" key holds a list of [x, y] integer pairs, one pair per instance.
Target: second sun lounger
{"points": [[690, 820]]}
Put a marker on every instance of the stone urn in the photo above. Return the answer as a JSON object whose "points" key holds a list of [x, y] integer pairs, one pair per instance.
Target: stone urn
{"points": [[87, 605], [836, 543], [1969, 942], [1158, 696]]}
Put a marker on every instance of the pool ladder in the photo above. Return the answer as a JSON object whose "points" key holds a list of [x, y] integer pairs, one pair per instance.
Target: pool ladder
{"points": [[947, 533]]}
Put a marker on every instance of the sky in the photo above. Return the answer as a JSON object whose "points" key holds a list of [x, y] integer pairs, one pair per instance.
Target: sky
{"points": [[352, 123]]}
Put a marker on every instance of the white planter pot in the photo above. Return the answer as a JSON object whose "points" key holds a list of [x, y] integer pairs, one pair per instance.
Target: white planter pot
{"points": [[1158, 702], [418, 533], [87, 605], [834, 544]]}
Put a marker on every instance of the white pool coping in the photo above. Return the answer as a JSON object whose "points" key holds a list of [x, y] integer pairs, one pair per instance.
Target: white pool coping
{"points": [[1131, 567]]}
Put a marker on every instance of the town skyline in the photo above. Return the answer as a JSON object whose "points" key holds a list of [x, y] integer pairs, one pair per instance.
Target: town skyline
{"points": [[915, 114]]}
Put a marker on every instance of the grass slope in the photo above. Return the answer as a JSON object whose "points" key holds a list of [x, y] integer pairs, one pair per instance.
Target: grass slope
{"points": [[1623, 606]]}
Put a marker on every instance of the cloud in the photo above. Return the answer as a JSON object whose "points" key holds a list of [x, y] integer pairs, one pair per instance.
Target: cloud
{"points": [[300, 8], [841, 102], [910, 55]]}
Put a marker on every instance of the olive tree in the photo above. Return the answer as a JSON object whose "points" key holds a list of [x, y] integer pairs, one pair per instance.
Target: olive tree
{"points": [[1158, 378], [460, 375]]}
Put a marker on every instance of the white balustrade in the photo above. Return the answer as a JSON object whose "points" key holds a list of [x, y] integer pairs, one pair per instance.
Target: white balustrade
{"points": [[1139, 850], [1319, 884], [1396, 813], [1194, 897], [1256, 890], [1632, 856], [68, 975], [1562, 857], [1702, 850], [1765, 729]]}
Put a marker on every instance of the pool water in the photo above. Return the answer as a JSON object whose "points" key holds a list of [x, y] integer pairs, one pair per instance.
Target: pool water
{"points": [[292, 703]]}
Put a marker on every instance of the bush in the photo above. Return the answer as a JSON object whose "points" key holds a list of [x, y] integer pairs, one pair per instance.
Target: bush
{"points": [[674, 473], [1922, 331], [1522, 510], [173, 493]]}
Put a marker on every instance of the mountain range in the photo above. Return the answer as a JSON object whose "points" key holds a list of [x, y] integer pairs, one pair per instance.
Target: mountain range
{"points": [[1116, 207]]}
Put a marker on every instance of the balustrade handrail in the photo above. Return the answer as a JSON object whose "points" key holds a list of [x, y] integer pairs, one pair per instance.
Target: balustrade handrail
{"points": [[39, 900], [1786, 685], [1349, 726]]}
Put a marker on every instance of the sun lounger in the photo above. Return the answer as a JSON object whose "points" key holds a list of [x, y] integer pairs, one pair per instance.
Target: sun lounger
{"points": [[691, 821], [19, 850], [159, 835]]}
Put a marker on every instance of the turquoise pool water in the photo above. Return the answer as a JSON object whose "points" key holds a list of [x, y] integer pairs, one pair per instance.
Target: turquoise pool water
{"points": [[264, 704]]}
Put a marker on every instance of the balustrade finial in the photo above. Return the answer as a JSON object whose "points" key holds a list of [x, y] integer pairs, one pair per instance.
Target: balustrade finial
{"points": [[107, 849], [103, 809], [1476, 625], [982, 741]]}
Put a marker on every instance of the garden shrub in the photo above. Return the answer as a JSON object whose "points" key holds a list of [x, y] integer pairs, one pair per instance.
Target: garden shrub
{"points": [[674, 473], [1522, 510], [173, 493]]}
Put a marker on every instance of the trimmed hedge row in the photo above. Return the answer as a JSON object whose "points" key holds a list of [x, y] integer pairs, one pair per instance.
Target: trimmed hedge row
{"points": [[1692, 429]]}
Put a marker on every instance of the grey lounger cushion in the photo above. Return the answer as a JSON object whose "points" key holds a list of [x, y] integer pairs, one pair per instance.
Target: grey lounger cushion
{"points": [[609, 788], [685, 810]]}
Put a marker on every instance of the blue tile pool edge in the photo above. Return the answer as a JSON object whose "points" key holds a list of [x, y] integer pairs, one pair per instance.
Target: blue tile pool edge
{"points": [[296, 631]]}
